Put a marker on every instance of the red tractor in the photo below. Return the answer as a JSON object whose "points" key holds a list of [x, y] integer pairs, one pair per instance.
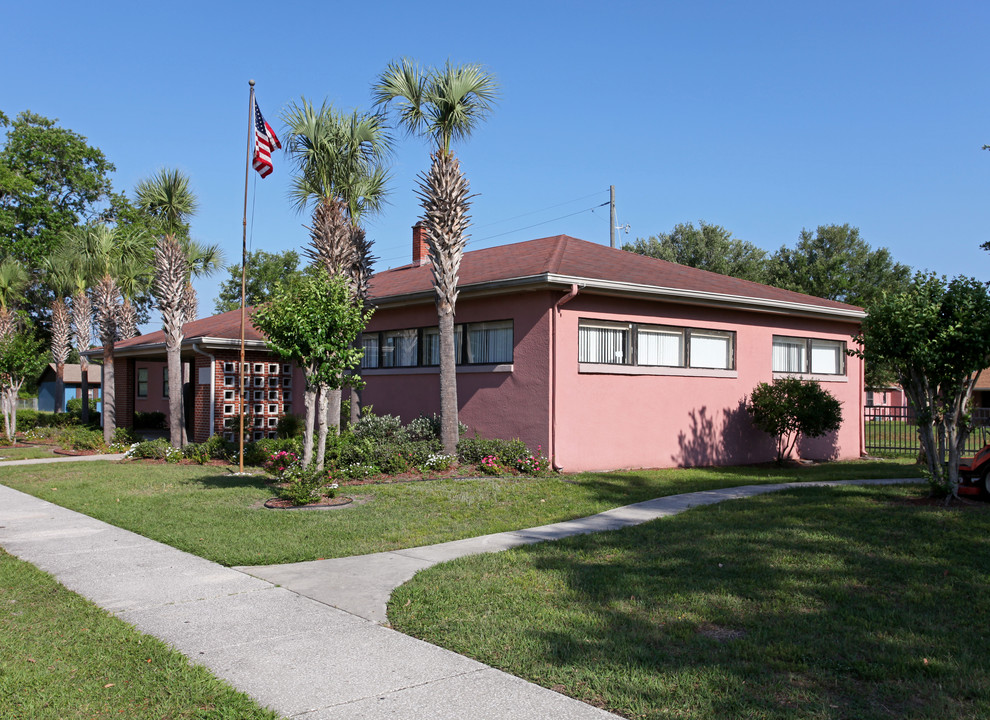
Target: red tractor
{"points": [[974, 475]]}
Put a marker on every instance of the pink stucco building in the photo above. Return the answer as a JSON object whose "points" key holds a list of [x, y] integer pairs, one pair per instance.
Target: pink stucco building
{"points": [[607, 359], [602, 358]]}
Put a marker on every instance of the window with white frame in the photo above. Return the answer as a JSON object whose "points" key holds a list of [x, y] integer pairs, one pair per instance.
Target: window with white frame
{"points": [[710, 349], [808, 355], [641, 344], [662, 346], [603, 343]]}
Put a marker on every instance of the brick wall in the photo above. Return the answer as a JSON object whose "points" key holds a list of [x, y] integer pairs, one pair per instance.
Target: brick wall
{"points": [[269, 391]]}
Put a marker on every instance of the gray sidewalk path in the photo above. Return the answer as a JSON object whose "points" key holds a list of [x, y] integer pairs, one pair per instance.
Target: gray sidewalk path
{"points": [[362, 584], [291, 649]]}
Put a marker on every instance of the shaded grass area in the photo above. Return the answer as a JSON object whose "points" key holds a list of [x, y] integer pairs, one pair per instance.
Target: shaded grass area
{"points": [[218, 516], [20, 452], [809, 603], [63, 657]]}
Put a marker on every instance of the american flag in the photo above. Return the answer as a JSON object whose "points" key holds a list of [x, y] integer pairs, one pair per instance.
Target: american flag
{"points": [[265, 141]]}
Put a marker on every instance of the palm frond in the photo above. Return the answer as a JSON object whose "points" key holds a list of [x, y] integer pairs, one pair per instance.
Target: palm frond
{"points": [[404, 84], [167, 196]]}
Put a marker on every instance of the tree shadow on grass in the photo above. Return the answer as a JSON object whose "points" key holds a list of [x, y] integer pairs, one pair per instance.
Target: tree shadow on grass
{"points": [[232, 480], [780, 605]]}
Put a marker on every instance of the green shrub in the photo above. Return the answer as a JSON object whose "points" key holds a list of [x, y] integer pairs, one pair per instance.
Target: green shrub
{"points": [[124, 436], [257, 452], [380, 428], [506, 452], [26, 419], [790, 408], [74, 407], [157, 449], [306, 486], [290, 426], [82, 438], [149, 420]]}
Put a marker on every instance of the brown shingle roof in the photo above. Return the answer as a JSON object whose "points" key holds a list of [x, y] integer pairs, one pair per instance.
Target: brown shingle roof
{"points": [[566, 256], [225, 325], [557, 257]]}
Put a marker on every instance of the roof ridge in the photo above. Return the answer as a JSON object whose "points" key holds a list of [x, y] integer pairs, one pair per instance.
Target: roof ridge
{"points": [[558, 253]]}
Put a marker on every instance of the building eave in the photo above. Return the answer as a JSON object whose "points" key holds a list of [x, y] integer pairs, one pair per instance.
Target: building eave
{"points": [[624, 289]]}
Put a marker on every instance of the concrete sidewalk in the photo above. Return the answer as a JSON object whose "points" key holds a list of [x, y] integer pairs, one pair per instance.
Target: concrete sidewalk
{"points": [[293, 648], [362, 584]]}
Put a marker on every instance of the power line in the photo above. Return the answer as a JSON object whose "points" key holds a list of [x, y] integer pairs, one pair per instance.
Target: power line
{"points": [[534, 212], [509, 232]]}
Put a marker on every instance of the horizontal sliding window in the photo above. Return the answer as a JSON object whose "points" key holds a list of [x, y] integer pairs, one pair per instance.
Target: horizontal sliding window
{"points": [[399, 348], [655, 345], [809, 355], [488, 342], [603, 343], [483, 343]]}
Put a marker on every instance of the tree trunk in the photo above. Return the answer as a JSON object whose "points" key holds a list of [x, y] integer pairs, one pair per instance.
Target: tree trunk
{"points": [[449, 434], [84, 375], [309, 400], [60, 387], [333, 408], [355, 400], [324, 406], [109, 394], [14, 392], [176, 421], [5, 405]]}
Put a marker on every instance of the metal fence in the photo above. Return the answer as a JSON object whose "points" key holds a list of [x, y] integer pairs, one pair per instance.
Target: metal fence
{"points": [[893, 429], [27, 403]]}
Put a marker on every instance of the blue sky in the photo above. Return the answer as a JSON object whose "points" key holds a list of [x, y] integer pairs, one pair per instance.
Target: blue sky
{"points": [[765, 118]]}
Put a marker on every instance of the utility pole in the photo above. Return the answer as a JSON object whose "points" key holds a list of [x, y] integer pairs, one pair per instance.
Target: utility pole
{"points": [[611, 215]]}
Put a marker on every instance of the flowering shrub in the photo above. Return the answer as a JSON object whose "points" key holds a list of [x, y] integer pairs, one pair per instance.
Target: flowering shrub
{"points": [[358, 471], [490, 465], [533, 464], [281, 463], [438, 462]]}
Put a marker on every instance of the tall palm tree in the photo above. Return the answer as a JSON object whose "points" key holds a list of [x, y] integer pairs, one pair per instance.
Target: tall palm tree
{"points": [[61, 324], [340, 171], [168, 198], [14, 279], [442, 104], [81, 310], [104, 255]]}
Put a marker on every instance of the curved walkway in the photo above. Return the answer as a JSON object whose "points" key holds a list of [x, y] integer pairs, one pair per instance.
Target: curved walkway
{"points": [[310, 647], [362, 584]]}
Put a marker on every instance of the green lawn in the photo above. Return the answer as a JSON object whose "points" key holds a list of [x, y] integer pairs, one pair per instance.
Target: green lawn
{"points": [[20, 452], [810, 603], [211, 513], [63, 658]]}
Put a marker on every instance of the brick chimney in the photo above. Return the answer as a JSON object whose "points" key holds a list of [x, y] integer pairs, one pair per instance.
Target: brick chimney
{"points": [[421, 251]]}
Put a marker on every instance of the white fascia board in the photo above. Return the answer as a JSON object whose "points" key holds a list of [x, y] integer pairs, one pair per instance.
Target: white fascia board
{"points": [[613, 287], [149, 349]]}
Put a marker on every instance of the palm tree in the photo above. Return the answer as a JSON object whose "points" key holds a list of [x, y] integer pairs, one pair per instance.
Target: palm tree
{"points": [[59, 278], [81, 310], [14, 279], [340, 171], [443, 104], [103, 256], [168, 198]]}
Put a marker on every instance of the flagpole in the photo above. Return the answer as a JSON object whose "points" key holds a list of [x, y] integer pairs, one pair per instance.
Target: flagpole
{"points": [[240, 374]]}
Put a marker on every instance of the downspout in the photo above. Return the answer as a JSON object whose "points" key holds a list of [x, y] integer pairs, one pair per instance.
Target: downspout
{"points": [[213, 387], [553, 373]]}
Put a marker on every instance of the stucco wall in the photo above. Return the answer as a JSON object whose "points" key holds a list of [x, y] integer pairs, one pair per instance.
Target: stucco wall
{"points": [[507, 402], [607, 420]]}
